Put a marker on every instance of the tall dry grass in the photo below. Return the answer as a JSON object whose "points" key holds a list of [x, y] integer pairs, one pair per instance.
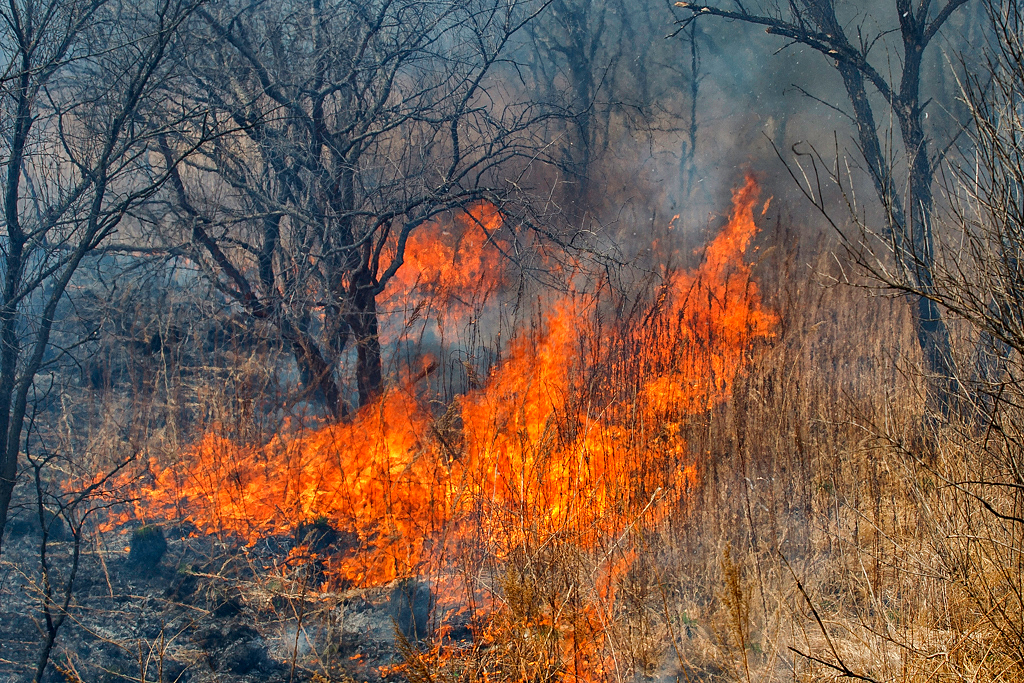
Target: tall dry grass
{"points": [[839, 527], [843, 528]]}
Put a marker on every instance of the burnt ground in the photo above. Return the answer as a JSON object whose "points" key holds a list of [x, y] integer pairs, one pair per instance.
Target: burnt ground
{"points": [[205, 611]]}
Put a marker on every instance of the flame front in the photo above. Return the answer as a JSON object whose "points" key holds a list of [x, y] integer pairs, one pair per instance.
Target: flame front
{"points": [[574, 440]]}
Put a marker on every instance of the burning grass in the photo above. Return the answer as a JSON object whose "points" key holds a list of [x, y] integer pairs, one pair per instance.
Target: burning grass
{"points": [[700, 485], [572, 448]]}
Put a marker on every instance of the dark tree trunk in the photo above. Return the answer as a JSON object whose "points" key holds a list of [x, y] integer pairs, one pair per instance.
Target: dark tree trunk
{"points": [[928, 323], [315, 372], [363, 322], [11, 418], [932, 333]]}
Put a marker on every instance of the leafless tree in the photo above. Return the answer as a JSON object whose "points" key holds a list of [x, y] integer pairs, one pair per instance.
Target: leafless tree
{"points": [[574, 49], [979, 266], [606, 65], [978, 275], [856, 47], [63, 514], [79, 122], [347, 124], [977, 281]]}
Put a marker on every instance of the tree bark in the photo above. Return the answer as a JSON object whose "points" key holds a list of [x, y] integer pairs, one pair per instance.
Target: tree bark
{"points": [[363, 322]]}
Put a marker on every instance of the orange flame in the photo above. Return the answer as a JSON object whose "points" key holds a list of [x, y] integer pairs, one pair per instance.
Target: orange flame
{"points": [[452, 266], [575, 438]]}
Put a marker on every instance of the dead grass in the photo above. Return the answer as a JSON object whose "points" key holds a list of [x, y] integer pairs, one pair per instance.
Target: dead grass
{"points": [[835, 531]]}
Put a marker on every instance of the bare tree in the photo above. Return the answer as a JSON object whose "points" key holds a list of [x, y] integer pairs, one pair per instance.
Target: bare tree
{"points": [[347, 125], [978, 282], [77, 84], [70, 510], [908, 203], [978, 273], [605, 65], [572, 63]]}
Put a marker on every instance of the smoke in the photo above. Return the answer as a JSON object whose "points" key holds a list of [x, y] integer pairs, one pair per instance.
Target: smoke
{"points": [[673, 122]]}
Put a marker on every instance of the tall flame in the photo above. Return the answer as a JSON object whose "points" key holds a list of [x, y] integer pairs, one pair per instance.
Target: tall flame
{"points": [[575, 438]]}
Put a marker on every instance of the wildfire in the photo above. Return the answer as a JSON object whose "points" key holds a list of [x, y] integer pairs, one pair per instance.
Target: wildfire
{"points": [[452, 266], [574, 439]]}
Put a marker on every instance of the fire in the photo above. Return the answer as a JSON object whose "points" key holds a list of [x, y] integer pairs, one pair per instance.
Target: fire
{"points": [[451, 266], [716, 313], [366, 476], [574, 441]]}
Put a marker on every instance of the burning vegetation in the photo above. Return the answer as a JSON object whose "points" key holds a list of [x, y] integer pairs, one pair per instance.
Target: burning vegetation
{"points": [[573, 444], [351, 342]]}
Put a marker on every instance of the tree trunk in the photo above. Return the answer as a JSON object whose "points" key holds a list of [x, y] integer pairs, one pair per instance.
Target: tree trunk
{"points": [[363, 322], [912, 220], [315, 372], [932, 333], [11, 424]]}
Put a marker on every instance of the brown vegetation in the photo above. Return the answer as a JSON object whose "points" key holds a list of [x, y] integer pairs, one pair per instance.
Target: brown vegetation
{"points": [[568, 456]]}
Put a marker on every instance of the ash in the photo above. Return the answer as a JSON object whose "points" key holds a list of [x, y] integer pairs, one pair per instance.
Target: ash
{"points": [[205, 611]]}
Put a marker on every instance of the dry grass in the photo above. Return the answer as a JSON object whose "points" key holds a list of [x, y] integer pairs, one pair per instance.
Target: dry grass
{"points": [[833, 535], [833, 532]]}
